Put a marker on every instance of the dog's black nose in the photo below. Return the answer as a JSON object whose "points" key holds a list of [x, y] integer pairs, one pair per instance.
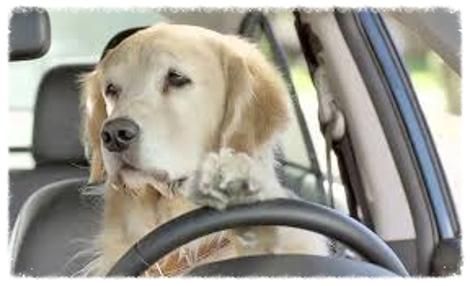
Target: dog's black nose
{"points": [[118, 134]]}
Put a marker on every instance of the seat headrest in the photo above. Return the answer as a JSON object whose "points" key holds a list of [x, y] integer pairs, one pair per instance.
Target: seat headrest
{"points": [[56, 132], [30, 33], [118, 38], [56, 135]]}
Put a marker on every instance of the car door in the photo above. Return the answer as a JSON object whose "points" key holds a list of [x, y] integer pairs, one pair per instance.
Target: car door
{"points": [[437, 243]]}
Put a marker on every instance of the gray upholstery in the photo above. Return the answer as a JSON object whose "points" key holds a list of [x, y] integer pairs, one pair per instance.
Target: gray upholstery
{"points": [[51, 228], [56, 145], [24, 183], [57, 118], [30, 34]]}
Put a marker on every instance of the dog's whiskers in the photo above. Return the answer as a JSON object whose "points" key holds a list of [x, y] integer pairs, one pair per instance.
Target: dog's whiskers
{"points": [[89, 252], [88, 269], [92, 190], [159, 269]]}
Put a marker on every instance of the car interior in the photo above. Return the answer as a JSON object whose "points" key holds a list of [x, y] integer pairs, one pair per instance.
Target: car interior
{"points": [[54, 213], [56, 144]]}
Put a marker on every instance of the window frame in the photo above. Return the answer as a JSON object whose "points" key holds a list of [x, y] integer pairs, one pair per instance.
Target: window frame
{"points": [[391, 91]]}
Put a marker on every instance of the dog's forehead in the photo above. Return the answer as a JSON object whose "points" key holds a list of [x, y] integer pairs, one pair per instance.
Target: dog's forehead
{"points": [[180, 41]]}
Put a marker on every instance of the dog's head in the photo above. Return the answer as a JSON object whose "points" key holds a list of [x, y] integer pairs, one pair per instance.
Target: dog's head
{"points": [[167, 95]]}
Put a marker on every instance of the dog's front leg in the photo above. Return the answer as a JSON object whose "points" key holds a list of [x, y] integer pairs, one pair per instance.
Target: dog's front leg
{"points": [[228, 178]]}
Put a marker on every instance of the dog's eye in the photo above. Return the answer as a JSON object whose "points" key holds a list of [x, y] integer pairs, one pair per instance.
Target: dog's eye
{"points": [[112, 90], [176, 79]]}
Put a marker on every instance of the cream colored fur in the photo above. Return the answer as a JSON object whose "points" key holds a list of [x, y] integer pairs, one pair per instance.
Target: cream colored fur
{"points": [[225, 123]]}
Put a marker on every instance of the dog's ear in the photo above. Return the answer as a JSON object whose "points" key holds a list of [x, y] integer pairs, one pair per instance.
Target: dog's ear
{"points": [[93, 114], [257, 99]]}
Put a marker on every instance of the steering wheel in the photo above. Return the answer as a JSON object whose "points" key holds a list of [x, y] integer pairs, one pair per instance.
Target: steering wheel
{"points": [[282, 212]]}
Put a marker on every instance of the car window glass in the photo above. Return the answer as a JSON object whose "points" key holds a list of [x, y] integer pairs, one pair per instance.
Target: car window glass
{"points": [[292, 143]]}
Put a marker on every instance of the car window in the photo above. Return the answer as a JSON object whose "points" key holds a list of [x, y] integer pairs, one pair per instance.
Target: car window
{"points": [[292, 143], [72, 42], [438, 89]]}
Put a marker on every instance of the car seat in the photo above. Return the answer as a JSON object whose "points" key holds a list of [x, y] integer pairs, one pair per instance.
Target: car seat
{"points": [[56, 146]]}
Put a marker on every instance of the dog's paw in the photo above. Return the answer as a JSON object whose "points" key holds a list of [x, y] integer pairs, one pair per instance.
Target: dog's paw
{"points": [[228, 178]]}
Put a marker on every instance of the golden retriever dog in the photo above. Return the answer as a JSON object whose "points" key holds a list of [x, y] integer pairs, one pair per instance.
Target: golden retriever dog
{"points": [[177, 117]]}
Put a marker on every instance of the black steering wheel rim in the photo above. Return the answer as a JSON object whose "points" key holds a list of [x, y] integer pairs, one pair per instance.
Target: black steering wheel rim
{"points": [[283, 212]]}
